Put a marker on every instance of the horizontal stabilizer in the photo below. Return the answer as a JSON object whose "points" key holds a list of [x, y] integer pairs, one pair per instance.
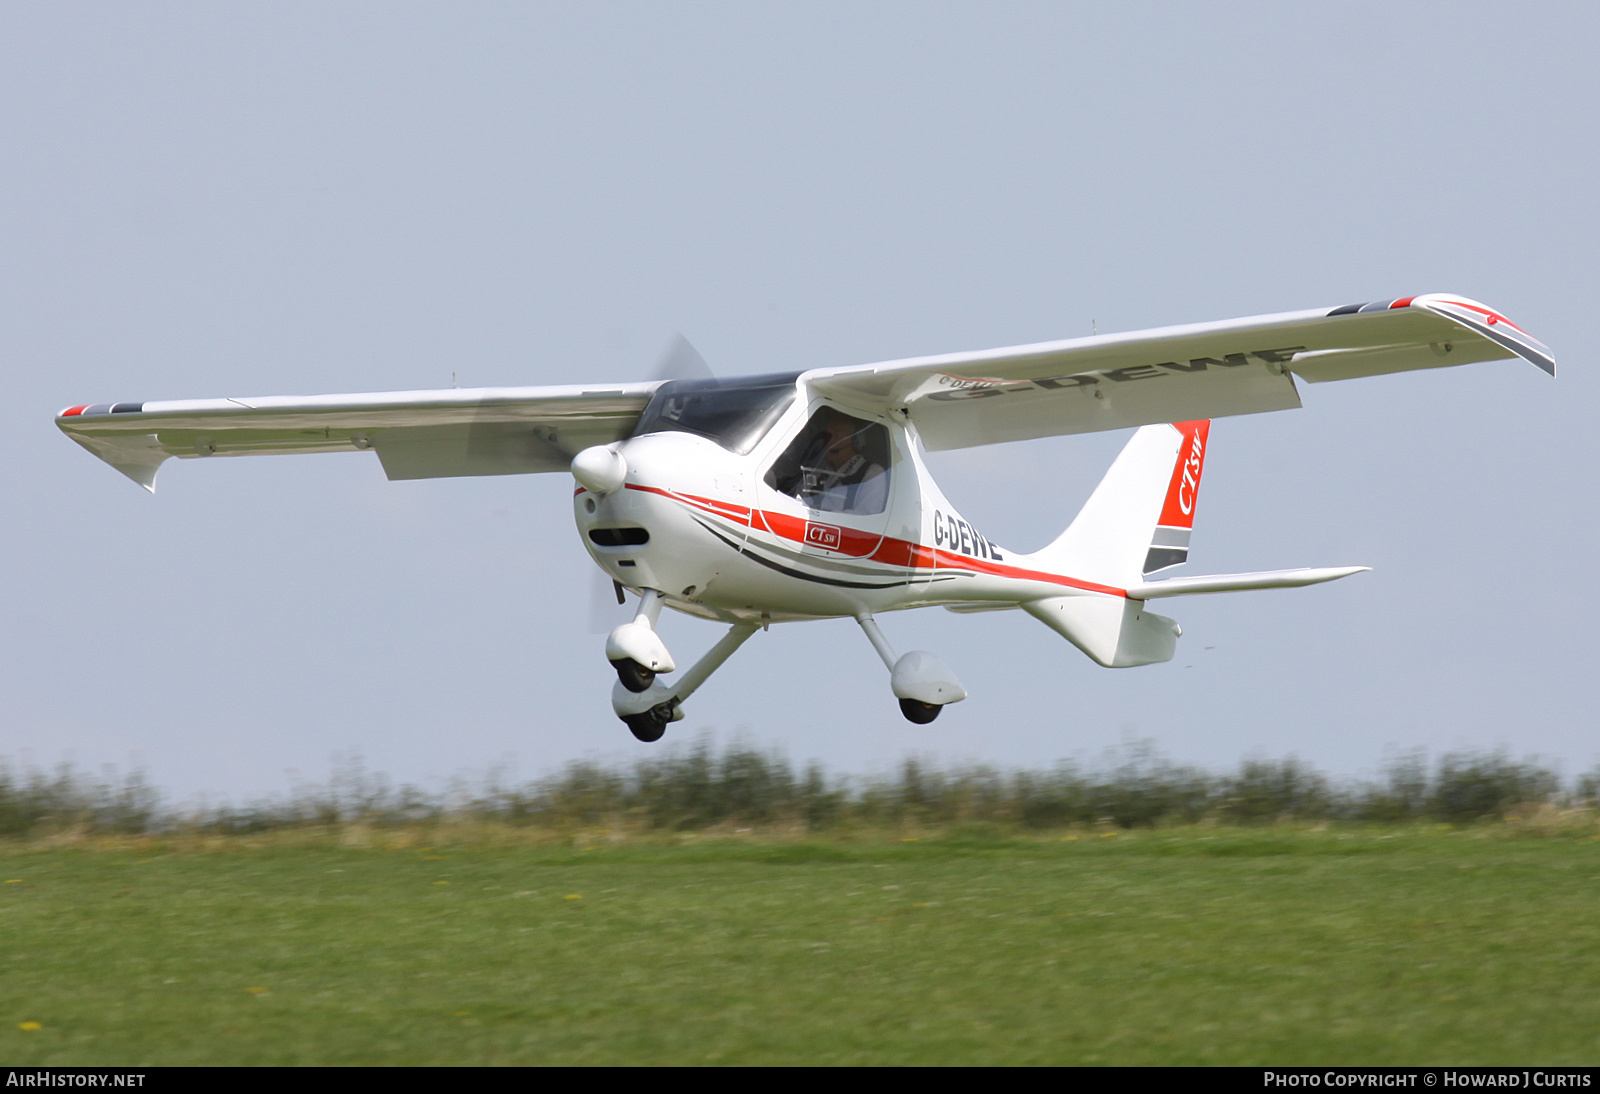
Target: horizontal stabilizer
{"points": [[1233, 583]]}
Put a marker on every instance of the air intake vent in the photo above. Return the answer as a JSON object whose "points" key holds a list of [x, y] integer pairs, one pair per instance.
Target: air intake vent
{"points": [[619, 537]]}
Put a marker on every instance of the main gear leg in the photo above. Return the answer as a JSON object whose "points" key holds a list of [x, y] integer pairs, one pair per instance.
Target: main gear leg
{"points": [[919, 680]]}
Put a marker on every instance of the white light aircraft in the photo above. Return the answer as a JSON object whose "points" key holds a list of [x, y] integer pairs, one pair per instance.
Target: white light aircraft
{"points": [[768, 499]]}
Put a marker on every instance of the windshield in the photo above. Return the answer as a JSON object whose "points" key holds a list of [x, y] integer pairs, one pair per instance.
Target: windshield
{"points": [[736, 413]]}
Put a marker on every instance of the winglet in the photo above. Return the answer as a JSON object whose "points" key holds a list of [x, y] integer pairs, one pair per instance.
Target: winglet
{"points": [[137, 455], [1489, 323]]}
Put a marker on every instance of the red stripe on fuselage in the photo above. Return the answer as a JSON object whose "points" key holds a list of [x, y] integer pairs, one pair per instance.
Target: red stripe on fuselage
{"points": [[983, 566], [890, 551], [709, 505]]}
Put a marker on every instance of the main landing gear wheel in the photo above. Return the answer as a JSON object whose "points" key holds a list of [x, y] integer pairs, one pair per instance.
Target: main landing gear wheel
{"points": [[634, 676], [650, 725], [919, 712]]}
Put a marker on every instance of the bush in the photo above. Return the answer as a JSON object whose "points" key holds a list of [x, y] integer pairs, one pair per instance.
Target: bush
{"points": [[1475, 787], [696, 788], [1268, 790]]}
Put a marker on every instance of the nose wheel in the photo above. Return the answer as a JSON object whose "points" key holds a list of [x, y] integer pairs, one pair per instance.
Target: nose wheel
{"points": [[636, 651], [634, 676]]}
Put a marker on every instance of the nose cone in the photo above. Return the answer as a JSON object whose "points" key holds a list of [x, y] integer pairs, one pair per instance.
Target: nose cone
{"points": [[599, 470]]}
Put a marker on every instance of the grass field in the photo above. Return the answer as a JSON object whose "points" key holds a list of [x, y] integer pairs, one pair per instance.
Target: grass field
{"points": [[1197, 945]]}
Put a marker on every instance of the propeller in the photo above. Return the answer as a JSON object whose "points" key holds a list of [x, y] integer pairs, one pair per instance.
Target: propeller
{"points": [[681, 361]]}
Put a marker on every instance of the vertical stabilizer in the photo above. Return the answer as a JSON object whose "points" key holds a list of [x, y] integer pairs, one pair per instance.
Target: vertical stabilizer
{"points": [[1137, 521]]}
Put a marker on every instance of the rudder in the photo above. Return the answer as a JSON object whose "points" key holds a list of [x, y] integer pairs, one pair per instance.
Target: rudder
{"points": [[1169, 543]]}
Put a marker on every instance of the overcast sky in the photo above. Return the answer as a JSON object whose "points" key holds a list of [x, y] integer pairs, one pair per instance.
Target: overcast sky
{"points": [[199, 200]]}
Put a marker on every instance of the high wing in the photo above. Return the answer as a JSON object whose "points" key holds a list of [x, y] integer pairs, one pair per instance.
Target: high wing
{"points": [[1174, 374], [1170, 374], [416, 434]]}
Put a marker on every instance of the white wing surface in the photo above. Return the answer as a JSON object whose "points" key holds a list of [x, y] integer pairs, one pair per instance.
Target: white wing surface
{"points": [[1174, 374], [416, 434]]}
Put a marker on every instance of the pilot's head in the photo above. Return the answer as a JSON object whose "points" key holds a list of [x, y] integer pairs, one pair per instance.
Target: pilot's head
{"points": [[840, 430]]}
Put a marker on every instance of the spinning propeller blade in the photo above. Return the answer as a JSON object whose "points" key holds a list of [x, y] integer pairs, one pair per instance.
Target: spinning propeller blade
{"points": [[604, 610], [681, 361]]}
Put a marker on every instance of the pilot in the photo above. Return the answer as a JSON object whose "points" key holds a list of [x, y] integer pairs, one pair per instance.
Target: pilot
{"points": [[849, 481]]}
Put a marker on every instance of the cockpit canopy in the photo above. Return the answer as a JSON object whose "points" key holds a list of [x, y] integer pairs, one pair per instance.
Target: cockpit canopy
{"points": [[736, 413]]}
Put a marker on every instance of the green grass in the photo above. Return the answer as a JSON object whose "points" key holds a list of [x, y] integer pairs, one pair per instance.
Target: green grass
{"points": [[1204, 945]]}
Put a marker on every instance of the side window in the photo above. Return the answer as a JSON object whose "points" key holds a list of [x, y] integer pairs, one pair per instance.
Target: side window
{"points": [[838, 464]]}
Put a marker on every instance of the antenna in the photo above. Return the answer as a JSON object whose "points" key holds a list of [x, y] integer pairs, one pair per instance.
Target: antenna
{"points": [[1094, 327], [453, 379]]}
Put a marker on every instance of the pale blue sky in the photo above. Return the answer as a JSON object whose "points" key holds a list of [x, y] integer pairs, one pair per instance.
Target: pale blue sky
{"points": [[301, 198]]}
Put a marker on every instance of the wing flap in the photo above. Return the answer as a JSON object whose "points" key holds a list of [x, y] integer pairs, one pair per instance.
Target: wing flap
{"points": [[493, 448]]}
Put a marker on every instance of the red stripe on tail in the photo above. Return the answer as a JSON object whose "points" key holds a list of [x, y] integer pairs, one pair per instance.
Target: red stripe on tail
{"points": [[1184, 489]]}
